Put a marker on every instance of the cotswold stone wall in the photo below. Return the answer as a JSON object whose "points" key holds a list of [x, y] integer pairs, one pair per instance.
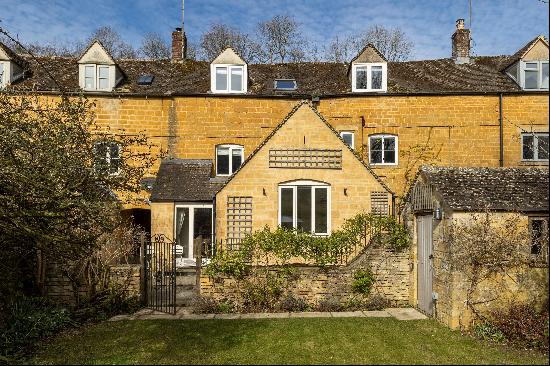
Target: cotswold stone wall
{"points": [[315, 284], [59, 287]]}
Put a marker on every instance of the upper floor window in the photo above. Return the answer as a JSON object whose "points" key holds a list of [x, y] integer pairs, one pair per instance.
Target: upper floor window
{"points": [[534, 146], [107, 157], [229, 79], [228, 159], [383, 149], [348, 138], [535, 75], [369, 77], [305, 206], [96, 77]]}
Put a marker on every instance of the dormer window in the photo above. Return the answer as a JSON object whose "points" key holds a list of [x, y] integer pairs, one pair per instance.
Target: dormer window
{"points": [[97, 70], [228, 73], [535, 75], [229, 79], [371, 77], [96, 77]]}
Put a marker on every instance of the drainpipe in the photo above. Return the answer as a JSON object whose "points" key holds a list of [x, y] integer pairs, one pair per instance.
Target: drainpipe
{"points": [[393, 205], [501, 133], [362, 141]]}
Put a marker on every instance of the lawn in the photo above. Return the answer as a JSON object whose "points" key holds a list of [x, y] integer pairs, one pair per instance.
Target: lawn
{"points": [[275, 341]]}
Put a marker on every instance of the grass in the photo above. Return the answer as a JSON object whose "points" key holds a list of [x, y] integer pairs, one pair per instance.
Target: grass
{"points": [[275, 341]]}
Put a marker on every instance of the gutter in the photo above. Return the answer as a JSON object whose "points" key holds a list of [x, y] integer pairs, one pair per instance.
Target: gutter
{"points": [[501, 132]]}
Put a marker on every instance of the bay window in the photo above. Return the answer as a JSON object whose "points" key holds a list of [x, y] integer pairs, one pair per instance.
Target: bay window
{"points": [[305, 206]]}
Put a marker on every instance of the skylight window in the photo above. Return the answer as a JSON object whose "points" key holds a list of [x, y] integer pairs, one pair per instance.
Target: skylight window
{"points": [[285, 84], [145, 79]]}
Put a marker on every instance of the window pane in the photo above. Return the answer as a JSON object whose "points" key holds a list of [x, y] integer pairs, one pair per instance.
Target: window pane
{"points": [[182, 232], [286, 208], [304, 209], [376, 73], [532, 65], [537, 229], [544, 84], [321, 210], [89, 71], [528, 147], [376, 143], [236, 79], [376, 156], [531, 79], [100, 157], [221, 78], [542, 147], [389, 157], [389, 143], [348, 138], [237, 159], [103, 83], [222, 160], [361, 77], [285, 84], [103, 72]]}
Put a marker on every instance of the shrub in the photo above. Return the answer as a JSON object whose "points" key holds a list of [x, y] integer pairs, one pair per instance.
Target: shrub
{"points": [[208, 305], [354, 303], [28, 320], [488, 331], [293, 303], [377, 302], [105, 304], [329, 304], [363, 279], [523, 325]]}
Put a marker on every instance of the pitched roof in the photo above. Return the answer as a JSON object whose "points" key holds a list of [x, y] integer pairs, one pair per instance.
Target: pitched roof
{"points": [[313, 78], [522, 52], [184, 180], [12, 55], [336, 133], [503, 189]]}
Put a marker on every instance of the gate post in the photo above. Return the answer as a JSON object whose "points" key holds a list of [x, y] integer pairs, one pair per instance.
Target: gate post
{"points": [[142, 270], [197, 245]]}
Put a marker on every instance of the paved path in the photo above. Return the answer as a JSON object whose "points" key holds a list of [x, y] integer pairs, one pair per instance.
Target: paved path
{"points": [[185, 314]]}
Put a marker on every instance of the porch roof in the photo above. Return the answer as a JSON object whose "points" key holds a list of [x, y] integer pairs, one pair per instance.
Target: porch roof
{"points": [[185, 180]]}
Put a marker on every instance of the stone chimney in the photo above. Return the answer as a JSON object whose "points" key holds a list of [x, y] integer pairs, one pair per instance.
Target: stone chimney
{"points": [[179, 45], [461, 43]]}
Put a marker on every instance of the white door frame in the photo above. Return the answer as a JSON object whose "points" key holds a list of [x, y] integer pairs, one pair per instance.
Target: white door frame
{"points": [[191, 207]]}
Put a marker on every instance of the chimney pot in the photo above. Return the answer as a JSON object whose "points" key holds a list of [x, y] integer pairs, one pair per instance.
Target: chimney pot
{"points": [[460, 23]]}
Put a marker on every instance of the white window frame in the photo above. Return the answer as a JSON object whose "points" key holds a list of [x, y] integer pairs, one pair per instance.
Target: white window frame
{"points": [[342, 133], [369, 76], [523, 67], [228, 68], [4, 77], [383, 136], [231, 147], [535, 147], [108, 155], [190, 259], [314, 186], [96, 77]]}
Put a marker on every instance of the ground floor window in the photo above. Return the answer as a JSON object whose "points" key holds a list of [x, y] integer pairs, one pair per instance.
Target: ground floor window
{"points": [[538, 233], [305, 206]]}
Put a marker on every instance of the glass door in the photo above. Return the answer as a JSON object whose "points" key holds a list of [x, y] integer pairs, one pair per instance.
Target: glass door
{"points": [[193, 222]]}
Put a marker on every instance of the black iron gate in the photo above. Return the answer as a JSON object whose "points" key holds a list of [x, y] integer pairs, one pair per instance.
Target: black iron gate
{"points": [[160, 274]]}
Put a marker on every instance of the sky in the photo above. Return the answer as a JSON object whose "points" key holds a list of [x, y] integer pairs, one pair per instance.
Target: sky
{"points": [[498, 26]]}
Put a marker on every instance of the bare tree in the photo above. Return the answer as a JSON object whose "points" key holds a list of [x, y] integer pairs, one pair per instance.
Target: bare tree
{"points": [[154, 47], [393, 43], [113, 43], [221, 36], [281, 39], [339, 50]]}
